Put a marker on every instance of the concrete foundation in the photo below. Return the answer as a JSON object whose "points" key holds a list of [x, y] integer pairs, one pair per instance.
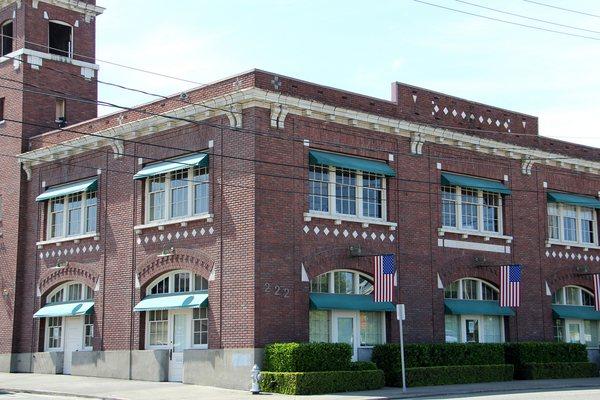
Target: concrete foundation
{"points": [[226, 368], [38, 363], [5, 362], [143, 365]]}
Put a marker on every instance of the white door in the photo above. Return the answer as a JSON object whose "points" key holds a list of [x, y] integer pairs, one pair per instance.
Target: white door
{"points": [[345, 330], [73, 340], [179, 323]]}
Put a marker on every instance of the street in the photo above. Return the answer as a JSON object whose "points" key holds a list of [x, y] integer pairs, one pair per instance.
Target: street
{"points": [[551, 395], [27, 396]]}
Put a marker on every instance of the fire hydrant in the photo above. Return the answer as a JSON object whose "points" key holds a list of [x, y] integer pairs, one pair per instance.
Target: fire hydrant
{"points": [[255, 375]]}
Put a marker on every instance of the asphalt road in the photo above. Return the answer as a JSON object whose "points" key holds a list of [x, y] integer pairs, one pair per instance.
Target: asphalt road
{"points": [[586, 394]]}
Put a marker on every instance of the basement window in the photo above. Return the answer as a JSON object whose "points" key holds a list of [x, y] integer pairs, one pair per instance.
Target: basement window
{"points": [[60, 40], [6, 35]]}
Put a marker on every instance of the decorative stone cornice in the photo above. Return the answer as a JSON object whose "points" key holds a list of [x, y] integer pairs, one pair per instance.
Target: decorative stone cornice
{"points": [[232, 105]]}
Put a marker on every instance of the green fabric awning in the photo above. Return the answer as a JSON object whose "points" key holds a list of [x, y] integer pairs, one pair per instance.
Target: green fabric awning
{"points": [[487, 185], [353, 163], [70, 309], [172, 301], [573, 199], [327, 301], [88, 185], [476, 307], [575, 312], [189, 161]]}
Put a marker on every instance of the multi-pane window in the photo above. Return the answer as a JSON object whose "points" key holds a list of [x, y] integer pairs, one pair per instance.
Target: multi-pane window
{"points": [[471, 209], [574, 330], [365, 286], [158, 327], [319, 188], [54, 332], [70, 292], [72, 215], [75, 292], [371, 329], [177, 195], [342, 282], [320, 284], [572, 224], [178, 282], [200, 326], [339, 191], [318, 326], [573, 296], [160, 287], [182, 282], [471, 289], [88, 330]]}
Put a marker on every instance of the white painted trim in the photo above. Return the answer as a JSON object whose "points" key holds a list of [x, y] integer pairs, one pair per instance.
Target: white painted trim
{"points": [[73, 5], [442, 231], [163, 223], [68, 239], [347, 218], [458, 244], [47, 56]]}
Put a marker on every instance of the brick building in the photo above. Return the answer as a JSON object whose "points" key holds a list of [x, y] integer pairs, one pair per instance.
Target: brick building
{"points": [[174, 240]]}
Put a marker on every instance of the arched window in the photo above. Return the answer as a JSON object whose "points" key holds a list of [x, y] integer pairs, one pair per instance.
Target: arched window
{"points": [[71, 291], [473, 314], [342, 282], [575, 318], [6, 36], [180, 281]]}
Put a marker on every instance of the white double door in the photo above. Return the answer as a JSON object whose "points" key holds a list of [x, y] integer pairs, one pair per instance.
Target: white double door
{"points": [[73, 341], [179, 340], [346, 329]]}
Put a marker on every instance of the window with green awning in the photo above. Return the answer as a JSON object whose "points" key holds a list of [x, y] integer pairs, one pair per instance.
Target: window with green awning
{"points": [[476, 307], [351, 163], [574, 199], [68, 309], [88, 185], [172, 301], [190, 161], [472, 182], [330, 301]]}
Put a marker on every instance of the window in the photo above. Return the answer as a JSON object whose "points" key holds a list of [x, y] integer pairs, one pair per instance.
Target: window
{"points": [[343, 192], [60, 39], [1, 108], [177, 282], [158, 327], [72, 215], [471, 210], [177, 195], [471, 289], [318, 326], [451, 291], [61, 111], [343, 282], [70, 292], [88, 331], [6, 36], [559, 330], [573, 296], [451, 327], [572, 224], [200, 326], [371, 330], [75, 292], [492, 329], [320, 284], [54, 333]]}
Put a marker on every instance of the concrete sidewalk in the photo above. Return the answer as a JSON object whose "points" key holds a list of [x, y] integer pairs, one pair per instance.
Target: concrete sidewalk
{"points": [[115, 389]]}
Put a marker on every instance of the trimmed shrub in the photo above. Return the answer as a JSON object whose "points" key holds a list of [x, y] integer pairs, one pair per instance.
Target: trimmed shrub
{"points": [[451, 375], [520, 354], [387, 356], [305, 383], [307, 357], [362, 366], [561, 370]]}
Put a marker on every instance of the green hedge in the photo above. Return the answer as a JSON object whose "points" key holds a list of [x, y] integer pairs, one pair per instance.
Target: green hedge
{"points": [[523, 353], [304, 383], [362, 366], [560, 370], [307, 357], [455, 374]]}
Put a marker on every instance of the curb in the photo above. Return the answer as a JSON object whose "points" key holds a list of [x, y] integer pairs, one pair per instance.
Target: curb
{"points": [[62, 394]]}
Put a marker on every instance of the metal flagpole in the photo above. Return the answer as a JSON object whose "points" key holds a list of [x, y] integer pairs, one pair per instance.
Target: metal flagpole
{"points": [[400, 315]]}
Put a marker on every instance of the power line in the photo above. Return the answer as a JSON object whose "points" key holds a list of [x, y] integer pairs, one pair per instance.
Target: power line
{"points": [[526, 17], [507, 22], [563, 9]]}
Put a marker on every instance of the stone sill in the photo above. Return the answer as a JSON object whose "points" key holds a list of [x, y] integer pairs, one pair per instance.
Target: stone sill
{"points": [[339, 218], [74, 239], [180, 221], [568, 245], [465, 234]]}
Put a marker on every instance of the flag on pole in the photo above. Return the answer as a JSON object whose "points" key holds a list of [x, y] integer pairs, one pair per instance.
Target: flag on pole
{"points": [[510, 281], [597, 291], [384, 277]]}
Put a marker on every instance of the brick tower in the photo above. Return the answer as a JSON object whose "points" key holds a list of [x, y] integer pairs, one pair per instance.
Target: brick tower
{"points": [[47, 66]]}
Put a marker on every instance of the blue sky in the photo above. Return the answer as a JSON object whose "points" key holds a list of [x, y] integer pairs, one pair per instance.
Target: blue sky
{"points": [[363, 46]]}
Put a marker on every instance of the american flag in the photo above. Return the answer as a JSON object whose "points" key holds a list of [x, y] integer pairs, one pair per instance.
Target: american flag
{"points": [[510, 281], [384, 277], [597, 291]]}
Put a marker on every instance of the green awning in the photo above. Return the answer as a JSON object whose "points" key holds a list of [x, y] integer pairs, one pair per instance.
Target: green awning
{"points": [[327, 301], [476, 307], [353, 163], [172, 301], [70, 309], [575, 312], [88, 185], [487, 185], [189, 161], [573, 199]]}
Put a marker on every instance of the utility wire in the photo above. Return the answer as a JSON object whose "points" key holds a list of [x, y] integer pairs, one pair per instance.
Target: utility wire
{"points": [[506, 21], [526, 17], [562, 9]]}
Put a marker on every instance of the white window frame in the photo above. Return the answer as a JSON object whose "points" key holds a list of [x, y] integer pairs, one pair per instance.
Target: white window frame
{"points": [[561, 208], [562, 300], [85, 196], [480, 284], [480, 207], [358, 217], [47, 347], [168, 203], [355, 282], [171, 276]]}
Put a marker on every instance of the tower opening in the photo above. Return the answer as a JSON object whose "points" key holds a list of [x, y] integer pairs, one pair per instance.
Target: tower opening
{"points": [[60, 39]]}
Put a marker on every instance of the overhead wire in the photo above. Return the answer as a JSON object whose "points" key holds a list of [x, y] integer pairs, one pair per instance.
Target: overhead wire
{"points": [[539, 3]]}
